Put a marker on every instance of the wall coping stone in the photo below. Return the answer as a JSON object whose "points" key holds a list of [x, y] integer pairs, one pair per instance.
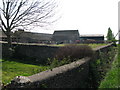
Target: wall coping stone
{"points": [[51, 73], [101, 47]]}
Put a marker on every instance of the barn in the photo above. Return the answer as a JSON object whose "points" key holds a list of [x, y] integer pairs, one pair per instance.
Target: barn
{"points": [[32, 37], [65, 36]]}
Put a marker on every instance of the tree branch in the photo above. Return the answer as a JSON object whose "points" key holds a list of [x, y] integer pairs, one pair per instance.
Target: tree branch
{"points": [[17, 13]]}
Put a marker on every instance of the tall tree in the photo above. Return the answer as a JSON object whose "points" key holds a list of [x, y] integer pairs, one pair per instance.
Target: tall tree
{"points": [[24, 13], [110, 35]]}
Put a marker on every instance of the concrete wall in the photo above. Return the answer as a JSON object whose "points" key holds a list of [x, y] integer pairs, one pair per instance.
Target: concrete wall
{"points": [[73, 75]]}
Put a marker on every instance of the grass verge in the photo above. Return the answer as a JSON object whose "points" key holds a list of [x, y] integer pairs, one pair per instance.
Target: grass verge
{"points": [[112, 77]]}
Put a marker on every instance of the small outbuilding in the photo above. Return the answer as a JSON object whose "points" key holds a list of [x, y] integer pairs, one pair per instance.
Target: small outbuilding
{"points": [[92, 38]]}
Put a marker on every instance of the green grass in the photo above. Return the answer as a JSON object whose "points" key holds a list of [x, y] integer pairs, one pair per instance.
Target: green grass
{"points": [[112, 77], [91, 45], [11, 69], [96, 45], [60, 45]]}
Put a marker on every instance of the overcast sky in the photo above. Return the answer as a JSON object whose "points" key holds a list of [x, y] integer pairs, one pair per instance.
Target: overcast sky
{"points": [[87, 16]]}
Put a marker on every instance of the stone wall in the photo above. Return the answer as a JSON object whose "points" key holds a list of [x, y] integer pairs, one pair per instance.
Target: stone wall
{"points": [[73, 75], [33, 52], [100, 63]]}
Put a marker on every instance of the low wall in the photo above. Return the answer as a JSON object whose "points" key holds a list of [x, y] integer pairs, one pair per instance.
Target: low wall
{"points": [[73, 75], [35, 53]]}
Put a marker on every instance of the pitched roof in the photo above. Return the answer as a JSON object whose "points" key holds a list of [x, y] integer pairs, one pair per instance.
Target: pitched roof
{"points": [[32, 35], [65, 32]]}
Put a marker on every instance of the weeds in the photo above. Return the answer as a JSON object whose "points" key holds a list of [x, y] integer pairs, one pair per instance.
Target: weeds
{"points": [[55, 62], [100, 66], [69, 53], [112, 77]]}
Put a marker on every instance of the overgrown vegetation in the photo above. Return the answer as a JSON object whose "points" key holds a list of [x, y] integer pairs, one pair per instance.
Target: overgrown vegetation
{"points": [[99, 66], [68, 54], [73, 52], [55, 62], [112, 77]]}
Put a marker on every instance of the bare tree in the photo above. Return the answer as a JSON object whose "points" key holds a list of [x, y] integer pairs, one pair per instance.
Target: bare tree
{"points": [[23, 13]]}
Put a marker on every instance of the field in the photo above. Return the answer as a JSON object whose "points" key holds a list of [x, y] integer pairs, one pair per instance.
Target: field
{"points": [[112, 77], [12, 68]]}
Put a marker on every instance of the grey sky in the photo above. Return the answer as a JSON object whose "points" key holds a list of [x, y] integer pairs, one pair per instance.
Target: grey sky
{"points": [[87, 16]]}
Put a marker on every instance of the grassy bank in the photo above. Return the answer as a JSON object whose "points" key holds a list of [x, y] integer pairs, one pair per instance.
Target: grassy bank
{"points": [[112, 77], [10, 69]]}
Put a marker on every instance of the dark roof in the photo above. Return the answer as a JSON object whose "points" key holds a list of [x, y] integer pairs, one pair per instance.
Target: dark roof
{"points": [[59, 32], [92, 35], [32, 35]]}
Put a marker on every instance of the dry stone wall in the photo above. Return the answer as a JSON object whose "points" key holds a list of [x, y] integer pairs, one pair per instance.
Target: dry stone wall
{"points": [[73, 75], [35, 53]]}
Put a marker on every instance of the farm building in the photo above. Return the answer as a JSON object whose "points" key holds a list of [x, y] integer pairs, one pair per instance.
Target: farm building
{"points": [[27, 37], [93, 38], [3, 36], [30, 37], [62, 36], [65, 36]]}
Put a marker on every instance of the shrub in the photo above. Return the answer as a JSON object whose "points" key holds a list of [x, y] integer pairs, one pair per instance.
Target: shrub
{"points": [[73, 52], [55, 62]]}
